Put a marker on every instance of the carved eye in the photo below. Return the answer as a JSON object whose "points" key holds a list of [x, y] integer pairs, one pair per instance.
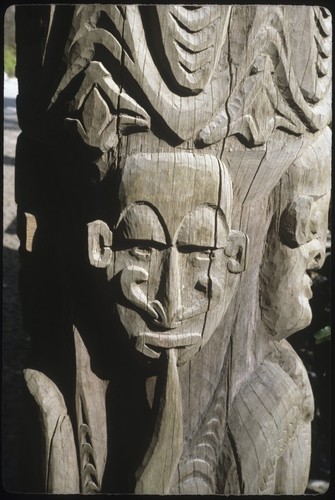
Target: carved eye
{"points": [[199, 256], [202, 258], [204, 254], [295, 221], [141, 253], [315, 222], [302, 221]]}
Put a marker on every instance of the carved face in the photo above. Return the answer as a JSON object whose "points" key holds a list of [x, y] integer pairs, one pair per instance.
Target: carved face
{"points": [[298, 248], [172, 250]]}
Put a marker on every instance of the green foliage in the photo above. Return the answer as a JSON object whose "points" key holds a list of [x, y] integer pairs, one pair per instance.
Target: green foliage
{"points": [[9, 60], [322, 335]]}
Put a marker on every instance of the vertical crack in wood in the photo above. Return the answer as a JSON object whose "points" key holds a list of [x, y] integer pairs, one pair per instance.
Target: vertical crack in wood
{"points": [[121, 77], [206, 443], [118, 115], [237, 460], [209, 290], [49, 459], [253, 178], [230, 83]]}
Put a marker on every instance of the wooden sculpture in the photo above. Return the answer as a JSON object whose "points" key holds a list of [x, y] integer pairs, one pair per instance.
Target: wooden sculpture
{"points": [[173, 183]]}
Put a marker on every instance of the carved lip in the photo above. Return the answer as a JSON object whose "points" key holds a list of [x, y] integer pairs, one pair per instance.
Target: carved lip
{"points": [[308, 283], [146, 340], [168, 340]]}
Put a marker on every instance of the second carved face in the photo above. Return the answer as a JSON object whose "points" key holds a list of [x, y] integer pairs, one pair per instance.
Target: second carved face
{"points": [[171, 250], [296, 242]]}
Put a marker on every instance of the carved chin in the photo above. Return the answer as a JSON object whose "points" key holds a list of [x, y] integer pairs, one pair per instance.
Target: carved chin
{"points": [[303, 314], [283, 323]]}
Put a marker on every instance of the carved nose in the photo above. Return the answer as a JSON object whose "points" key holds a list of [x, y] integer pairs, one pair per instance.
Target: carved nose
{"points": [[169, 306], [316, 255]]}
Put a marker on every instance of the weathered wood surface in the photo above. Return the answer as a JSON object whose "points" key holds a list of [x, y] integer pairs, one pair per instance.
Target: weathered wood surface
{"points": [[59, 457], [173, 184]]}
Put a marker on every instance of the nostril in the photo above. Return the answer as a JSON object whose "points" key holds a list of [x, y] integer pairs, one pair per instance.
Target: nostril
{"points": [[159, 310], [163, 319], [315, 261], [201, 287]]}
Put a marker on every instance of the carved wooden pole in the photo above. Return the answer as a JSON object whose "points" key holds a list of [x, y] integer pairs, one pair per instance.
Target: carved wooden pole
{"points": [[172, 180]]}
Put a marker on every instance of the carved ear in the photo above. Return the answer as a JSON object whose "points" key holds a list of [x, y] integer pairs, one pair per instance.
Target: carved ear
{"points": [[236, 250], [100, 239]]}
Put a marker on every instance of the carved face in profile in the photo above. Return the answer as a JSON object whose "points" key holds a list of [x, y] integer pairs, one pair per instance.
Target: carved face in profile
{"points": [[295, 246], [171, 250]]}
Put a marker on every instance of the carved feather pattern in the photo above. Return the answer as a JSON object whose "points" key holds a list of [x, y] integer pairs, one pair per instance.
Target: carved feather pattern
{"points": [[88, 475], [192, 41], [262, 425], [217, 442], [91, 420], [117, 39], [323, 42], [280, 78], [106, 110], [205, 446]]}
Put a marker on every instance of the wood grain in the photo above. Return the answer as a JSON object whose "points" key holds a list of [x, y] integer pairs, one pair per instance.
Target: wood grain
{"points": [[177, 160]]}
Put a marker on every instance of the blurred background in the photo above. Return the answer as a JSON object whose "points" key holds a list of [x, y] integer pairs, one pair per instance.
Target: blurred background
{"points": [[312, 344]]}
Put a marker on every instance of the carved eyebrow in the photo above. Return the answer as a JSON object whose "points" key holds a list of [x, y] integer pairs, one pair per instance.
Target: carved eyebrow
{"points": [[204, 227], [295, 221], [139, 222]]}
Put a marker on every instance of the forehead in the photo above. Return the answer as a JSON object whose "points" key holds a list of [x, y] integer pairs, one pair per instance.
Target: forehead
{"points": [[310, 174], [175, 184]]}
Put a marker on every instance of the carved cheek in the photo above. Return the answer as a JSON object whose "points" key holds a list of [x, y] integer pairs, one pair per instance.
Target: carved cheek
{"points": [[201, 286], [288, 289], [147, 262], [217, 273], [191, 272]]}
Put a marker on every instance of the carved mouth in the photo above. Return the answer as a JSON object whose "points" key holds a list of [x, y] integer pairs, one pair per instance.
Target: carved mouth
{"points": [[165, 341]]}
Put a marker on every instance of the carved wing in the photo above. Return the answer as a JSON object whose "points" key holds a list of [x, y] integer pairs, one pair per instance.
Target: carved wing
{"points": [[151, 79], [286, 75]]}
